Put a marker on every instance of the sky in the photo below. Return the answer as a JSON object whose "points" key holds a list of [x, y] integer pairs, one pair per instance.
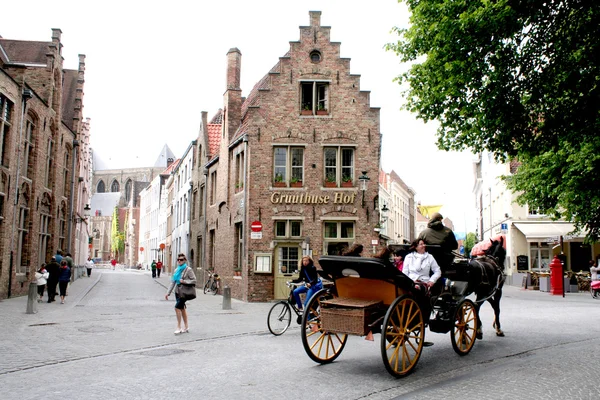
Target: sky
{"points": [[152, 67]]}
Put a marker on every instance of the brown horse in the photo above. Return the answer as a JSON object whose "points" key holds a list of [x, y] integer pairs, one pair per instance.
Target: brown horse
{"points": [[486, 280]]}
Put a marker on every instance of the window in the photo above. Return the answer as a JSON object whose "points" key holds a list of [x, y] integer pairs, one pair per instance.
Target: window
{"points": [[339, 165], [114, 186], [337, 235], [540, 255], [62, 227], [66, 187], [314, 98], [288, 165], [201, 200], [49, 164], [238, 247], [239, 172], [212, 249], [534, 212], [289, 259], [100, 187], [5, 114], [23, 232], [213, 187], [128, 185], [28, 148], [44, 240], [315, 56], [3, 189], [288, 229], [262, 263]]}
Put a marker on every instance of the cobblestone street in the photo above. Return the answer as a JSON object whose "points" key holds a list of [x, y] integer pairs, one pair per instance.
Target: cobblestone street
{"points": [[114, 339]]}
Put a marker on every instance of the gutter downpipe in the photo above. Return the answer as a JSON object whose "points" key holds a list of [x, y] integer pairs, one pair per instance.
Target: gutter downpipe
{"points": [[246, 197], [71, 199]]}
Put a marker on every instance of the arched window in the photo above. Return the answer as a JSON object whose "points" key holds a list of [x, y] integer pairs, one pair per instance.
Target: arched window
{"points": [[100, 187], [114, 186], [128, 190]]}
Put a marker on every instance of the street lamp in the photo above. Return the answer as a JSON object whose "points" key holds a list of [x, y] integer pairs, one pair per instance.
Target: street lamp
{"points": [[384, 211], [364, 179]]}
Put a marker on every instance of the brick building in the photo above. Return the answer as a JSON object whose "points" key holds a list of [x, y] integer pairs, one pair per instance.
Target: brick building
{"points": [[42, 194], [288, 156]]}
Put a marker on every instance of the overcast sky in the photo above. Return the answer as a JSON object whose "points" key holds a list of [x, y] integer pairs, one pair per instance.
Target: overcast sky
{"points": [[153, 66]]}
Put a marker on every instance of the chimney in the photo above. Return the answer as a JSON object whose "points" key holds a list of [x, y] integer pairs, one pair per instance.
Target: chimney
{"points": [[56, 34], [234, 65], [315, 18]]}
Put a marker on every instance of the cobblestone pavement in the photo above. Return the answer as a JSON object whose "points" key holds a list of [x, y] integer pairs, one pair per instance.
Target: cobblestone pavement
{"points": [[113, 339]]}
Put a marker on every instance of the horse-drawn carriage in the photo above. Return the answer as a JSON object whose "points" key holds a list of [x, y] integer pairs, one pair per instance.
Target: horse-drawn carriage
{"points": [[370, 295]]}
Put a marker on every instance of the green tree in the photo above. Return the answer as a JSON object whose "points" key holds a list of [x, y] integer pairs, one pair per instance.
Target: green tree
{"points": [[518, 78], [117, 238], [470, 242]]}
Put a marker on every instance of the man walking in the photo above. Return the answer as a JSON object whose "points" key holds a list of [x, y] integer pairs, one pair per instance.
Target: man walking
{"points": [[53, 272], [159, 265], [153, 266]]}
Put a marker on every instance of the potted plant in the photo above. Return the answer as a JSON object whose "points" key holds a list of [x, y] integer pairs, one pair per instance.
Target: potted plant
{"points": [[306, 109], [239, 187], [330, 180], [347, 181], [321, 110], [295, 182], [377, 227], [278, 181]]}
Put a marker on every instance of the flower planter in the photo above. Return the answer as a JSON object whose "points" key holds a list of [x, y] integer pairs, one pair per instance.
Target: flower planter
{"points": [[279, 184], [306, 112], [322, 112], [347, 184], [331, 184], [296, 184]]}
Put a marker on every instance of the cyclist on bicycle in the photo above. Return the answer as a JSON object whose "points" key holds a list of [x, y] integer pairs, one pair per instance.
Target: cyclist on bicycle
{"points": [[308, 274]]}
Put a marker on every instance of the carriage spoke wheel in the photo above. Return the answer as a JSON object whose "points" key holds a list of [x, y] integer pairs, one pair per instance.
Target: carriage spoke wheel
{"points": [[322, 347], [403, 336], [465, 327]]}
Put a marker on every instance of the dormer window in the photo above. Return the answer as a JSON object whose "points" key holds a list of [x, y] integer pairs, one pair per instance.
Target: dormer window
{"points": [[315, 56]]}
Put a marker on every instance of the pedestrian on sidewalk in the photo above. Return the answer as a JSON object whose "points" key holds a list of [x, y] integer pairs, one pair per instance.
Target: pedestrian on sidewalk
{"points": [[183, 275], [153, 266], [63, 279], [159, 265], [113, 262], [594, 270], [42, 278], [58, 256], [54, 272], [89, 264]]}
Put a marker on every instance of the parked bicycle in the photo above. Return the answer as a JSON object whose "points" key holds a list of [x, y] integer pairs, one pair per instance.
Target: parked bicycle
{"points": [[280, 315], [213, 283]]}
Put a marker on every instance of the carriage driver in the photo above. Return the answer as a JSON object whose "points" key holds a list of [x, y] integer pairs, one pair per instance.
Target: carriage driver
{"points": [[438, 234]]}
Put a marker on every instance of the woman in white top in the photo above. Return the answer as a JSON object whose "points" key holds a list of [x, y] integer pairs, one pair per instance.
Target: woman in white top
{"points": [[594, 270], [419, 264]]}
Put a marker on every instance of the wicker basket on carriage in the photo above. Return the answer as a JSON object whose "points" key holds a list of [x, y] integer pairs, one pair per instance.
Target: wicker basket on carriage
{"points": [[351, 316]]}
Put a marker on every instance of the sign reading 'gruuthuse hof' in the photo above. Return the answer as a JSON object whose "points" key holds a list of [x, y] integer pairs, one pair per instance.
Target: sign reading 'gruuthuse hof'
{"points": [[305, 198]]}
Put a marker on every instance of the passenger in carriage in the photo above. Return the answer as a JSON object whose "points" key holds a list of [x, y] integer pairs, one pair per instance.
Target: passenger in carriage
{"points": [[438, 234], [354, 251], [419, 265]]}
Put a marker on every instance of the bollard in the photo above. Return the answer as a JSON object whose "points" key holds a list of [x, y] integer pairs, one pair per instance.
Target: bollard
{"points": [[32, 298], [226, 298]]}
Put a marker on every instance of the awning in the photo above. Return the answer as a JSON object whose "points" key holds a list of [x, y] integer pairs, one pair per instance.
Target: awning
{"points": [[547, 231]]}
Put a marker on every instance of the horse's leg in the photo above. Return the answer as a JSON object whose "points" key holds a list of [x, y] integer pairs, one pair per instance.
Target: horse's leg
{"points": [[479, 332], [495, 303]]}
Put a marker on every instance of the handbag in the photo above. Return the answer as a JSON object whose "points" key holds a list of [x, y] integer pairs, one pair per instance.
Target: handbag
{"points": [[186, 292]]}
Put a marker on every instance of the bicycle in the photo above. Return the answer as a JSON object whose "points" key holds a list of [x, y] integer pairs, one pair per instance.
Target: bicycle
{"points": [[212, 284], [280, 315]]}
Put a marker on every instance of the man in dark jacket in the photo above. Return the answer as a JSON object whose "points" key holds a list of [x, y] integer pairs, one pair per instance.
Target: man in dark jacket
{"points": [[53, 272], [437, 234]]}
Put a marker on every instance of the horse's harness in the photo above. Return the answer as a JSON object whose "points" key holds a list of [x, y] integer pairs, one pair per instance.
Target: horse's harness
{"points": [[484, 275]]}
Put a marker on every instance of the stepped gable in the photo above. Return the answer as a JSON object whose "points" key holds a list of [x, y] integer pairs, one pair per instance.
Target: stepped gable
{"points": [[214, 134], [69, 96]]}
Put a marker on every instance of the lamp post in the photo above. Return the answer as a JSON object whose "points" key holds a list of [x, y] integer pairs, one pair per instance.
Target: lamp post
{"points": [[364, 179]]}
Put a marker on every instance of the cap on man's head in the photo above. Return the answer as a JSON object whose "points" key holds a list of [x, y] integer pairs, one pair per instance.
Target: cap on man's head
{"points": [[437, 217], [53, 259]]}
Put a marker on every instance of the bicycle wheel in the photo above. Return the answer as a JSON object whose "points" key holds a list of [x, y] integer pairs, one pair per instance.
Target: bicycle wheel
{"points": [[207, 286], [279, 318], [214, 287]]}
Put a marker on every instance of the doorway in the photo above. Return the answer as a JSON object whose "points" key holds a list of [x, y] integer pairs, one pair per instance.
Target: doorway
{"points": [[287, 262]]}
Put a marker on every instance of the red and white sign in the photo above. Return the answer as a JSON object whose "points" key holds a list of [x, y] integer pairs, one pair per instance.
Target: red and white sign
{"points": [[256, 226]]}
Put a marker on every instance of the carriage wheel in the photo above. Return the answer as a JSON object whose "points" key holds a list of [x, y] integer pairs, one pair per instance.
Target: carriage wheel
{"points": [[465, 327], [322, 347], [402, 337]]}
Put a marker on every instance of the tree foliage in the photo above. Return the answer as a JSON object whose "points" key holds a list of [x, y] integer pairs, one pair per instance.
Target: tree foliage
{"points": [[470, 242], [117, 238], [518, 78]]}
